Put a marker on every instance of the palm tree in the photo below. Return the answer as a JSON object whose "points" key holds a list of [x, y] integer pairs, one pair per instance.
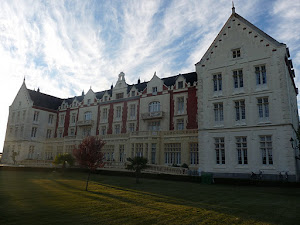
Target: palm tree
{"points": [[137, 164]]}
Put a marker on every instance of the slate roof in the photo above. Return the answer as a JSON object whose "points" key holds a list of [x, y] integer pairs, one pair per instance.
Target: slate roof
{"points": [[44, 100], [51, 102]]}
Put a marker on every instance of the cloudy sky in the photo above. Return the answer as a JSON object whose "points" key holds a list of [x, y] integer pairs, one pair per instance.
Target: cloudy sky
{"points": [[64, 47]]}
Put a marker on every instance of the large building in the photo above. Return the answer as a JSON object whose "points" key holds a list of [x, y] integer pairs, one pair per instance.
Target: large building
{"points": [[235, 115]]}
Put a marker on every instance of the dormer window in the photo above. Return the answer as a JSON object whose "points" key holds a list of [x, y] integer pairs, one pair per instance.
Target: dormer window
{"points": [[89, 101], [119, 95], [154, 90], [236, 53], [105, 98], [132, 93], [180, 84]]}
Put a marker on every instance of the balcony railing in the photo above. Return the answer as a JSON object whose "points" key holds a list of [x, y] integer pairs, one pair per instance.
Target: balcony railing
{"points": [[85, 123], [152, 115]]}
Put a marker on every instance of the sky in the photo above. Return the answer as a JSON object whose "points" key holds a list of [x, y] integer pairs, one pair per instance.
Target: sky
{"points": [[64, 47]]}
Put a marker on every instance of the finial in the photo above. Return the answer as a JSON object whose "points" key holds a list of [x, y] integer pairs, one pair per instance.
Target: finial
{"points": [[233, 8], [155, 73], [90, 87], [82, 93], [24, 79], [38, 90]]}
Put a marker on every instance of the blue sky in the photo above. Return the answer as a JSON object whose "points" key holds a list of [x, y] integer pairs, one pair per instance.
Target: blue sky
{"points": [[64, 47]]}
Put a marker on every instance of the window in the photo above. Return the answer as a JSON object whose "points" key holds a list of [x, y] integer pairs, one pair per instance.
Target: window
{"points": [[72, 132], [62, 119], [153, 153], [119, 95], [154, 107], [180, 124], [217, 80], [33, 132], [22, 130], [59, 150], [139, 149], [132, 111], [108, 151], [18, 117], [87, 116], [238, 78], [236, 53], [50, 119], [132, 93], [49, 131], [180, 84], [240, 113], [103, 130], [31, 152], [60, 133], [89, 101], [122, 153], [118, 112], [266, 149], [105, 98], [154, 126], [13, 117], [263, 108], [48, 155], [220, 150], [131, 127], [35, 116], [16, 131], [117, 129], [173, 153], [194, 156], [24, 115], [218, 110], [241, 147], [104, 114], [86, 131], [154, 90], [180, 105], [261, 75], [73, 118]]}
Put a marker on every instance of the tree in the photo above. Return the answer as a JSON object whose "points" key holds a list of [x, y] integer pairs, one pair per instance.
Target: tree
{"points": [[13, 156], [137, 164], [64, 159], [89, 155]]}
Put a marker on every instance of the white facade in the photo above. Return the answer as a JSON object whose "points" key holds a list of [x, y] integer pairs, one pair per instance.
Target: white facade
{"points": [[247, 104]]}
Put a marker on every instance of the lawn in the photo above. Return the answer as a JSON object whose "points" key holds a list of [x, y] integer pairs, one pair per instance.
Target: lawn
{"points": [[28, 197]]}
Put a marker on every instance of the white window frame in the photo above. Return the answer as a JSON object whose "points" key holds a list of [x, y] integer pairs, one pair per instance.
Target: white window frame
{"points": [[220, 150], [217, 82], [260, 75], [265, 144], [238, 79], [242, 150]]}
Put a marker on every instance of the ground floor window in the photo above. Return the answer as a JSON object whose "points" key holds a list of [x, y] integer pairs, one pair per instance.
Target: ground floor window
{"points": [[153, 153], [139, 149], [266, 149], [220, 150], [241, 147], [108, 151], [172, 153], [194, 156], [31, 152], [122, 154], [59, 150]]}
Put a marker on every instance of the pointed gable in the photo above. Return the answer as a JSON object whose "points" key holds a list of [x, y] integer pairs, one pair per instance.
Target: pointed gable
{"points": [[155, 85]]}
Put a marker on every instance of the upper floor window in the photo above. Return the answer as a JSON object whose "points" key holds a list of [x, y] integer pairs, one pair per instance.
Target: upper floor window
{"points": [[154, 126], [49, 131], [72, 131], [50, 119], [217, 79], [261, 75], [60, 133], [33, 132], [132, 93], [35, 116], [180, 105], [238, 78], [154, 90], [18, 116], [13, 117], [154, 107], [89, 101], [103, 130], [266, 149], [218, 110], [117, 129], [132, 111], [73, 118], [180, 84], [104, 114], [131, 127], [236, 53], [105, 98], [119, 95], [87, 116], [180, 124], [240, 113], [263, 107], [24, 114], [62, 119], [118, 112]]}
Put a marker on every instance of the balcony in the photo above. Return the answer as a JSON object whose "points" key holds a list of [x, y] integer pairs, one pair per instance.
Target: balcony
{"points": [[152, 115], [85, 123]]}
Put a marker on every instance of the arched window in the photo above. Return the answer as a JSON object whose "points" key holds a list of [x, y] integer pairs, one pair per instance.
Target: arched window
{"points": [[87, 116], [154, 107]]}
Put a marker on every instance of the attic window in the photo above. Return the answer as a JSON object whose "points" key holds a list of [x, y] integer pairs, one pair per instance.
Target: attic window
{"points": [[154, 90], [250, 32], [180, 84], [89, 101], [244, 28], [132, 93], [236, 53], [105, 98], [119, 95]]}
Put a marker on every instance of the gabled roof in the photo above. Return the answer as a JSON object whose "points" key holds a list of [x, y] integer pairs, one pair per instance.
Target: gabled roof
{"points": [[44, 100]]}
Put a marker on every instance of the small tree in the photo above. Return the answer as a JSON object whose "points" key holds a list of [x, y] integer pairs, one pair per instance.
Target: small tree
{"points": [[13, 156], [137, 164], [64, 159], [89, 155]]}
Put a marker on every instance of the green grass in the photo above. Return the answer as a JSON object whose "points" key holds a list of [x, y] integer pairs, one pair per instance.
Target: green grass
{"points": [[28, 197]]}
